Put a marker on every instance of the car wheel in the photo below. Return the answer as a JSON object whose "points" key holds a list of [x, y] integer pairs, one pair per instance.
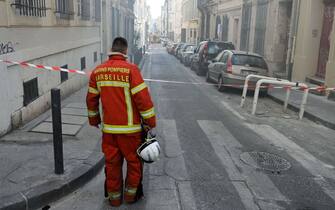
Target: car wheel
{"points": [[198, 71], [194, 67], [208, 79], [221, 86]]}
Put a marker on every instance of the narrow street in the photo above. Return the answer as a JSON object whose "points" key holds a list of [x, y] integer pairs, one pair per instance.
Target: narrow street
{"points": [[211, 147]]}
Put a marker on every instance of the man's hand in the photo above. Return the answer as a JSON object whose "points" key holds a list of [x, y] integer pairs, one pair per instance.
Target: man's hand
{"points": [[146, 128], [97, 126]]}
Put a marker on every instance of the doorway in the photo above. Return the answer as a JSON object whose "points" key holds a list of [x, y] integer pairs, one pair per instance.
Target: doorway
{"points": [[328, 19]]}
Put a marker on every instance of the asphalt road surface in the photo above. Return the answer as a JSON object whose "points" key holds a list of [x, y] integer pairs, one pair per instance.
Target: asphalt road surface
{"points": [[218, 156]]}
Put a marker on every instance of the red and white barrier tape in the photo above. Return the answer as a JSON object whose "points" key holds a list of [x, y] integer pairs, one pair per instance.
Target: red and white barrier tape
{"points": [[57, 68], [51, 68]]}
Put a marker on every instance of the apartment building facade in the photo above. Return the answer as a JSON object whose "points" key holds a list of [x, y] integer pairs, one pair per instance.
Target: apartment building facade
{"points": [[314, 54], [190, 22], [142, 23], [259, 26], [118, 20], [177, 19], [75, 34], [171, 14]]}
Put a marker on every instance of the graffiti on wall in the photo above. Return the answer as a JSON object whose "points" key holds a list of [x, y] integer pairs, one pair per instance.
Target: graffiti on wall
{"points": [[6, 47]]}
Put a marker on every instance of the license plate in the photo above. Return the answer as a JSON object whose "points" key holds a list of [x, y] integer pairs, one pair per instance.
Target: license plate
{"points": [[246, 72]]}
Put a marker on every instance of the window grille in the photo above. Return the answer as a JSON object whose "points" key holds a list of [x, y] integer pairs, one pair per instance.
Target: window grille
{"points": [[97, 10], [64, 75], [225, 27], [260, 28], [245, 28], [64, 9], [30, 7], [95, 57], [85, 9], [82, 63], [30, 91]]}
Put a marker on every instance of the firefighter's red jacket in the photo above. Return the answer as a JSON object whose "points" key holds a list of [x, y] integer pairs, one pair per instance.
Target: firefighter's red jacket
{"points": [[124, 96]]}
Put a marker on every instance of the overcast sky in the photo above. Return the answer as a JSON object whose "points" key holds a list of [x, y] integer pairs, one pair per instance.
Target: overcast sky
{"points": [[155, 7]]}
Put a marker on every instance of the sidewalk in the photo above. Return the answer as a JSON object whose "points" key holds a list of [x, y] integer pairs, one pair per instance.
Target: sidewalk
{"points": [[318, 108], [27, 179]]}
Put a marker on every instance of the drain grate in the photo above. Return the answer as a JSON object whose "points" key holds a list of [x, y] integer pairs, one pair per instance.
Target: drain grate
{"points": [[265, 161]]}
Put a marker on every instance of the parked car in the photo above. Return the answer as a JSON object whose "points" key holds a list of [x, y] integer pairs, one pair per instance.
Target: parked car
{"points": [[171, 47], [194, 59], [208, 51], [231, 67], [182, 50], [179, 46], [188, 58], [187, 53]]}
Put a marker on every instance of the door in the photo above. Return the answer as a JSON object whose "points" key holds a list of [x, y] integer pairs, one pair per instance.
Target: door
{"points": [[328, 19], [221, 66], [213, 67]]}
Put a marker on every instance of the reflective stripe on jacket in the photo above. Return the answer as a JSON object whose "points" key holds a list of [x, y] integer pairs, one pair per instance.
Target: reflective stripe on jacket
{"points": [[124, 96]]}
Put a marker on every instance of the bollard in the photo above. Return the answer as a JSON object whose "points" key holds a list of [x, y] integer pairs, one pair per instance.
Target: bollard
{"points": [[288, 94], [57, 130]]}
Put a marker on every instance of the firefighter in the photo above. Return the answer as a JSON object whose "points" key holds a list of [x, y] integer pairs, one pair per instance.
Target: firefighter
{"points": [[126, 107]]}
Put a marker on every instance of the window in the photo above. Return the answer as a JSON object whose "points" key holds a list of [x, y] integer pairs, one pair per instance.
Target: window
{"points": [[64, 75], [64, 9], [225, 28], [95, 57], [115, 22], [216, 47], [225, 57], [83, 63], [249, 60], [183, 35], [260, 28], [246, 21], [197, 49], [85, 9], [218, 57], [30, 91], [30, 8], [97, 7]]}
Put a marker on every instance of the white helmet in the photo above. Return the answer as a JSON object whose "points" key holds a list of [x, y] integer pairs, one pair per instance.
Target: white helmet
{"points": [[149, 151]]}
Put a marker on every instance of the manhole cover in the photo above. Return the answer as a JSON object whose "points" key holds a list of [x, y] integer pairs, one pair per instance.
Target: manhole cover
{"points": [[265, 161]]}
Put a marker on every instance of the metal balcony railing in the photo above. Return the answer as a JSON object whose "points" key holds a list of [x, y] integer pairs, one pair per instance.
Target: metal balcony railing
{"points": [[35, 8]]}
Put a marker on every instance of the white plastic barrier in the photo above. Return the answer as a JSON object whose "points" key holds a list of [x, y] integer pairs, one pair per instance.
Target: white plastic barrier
{"points": [[287, 83], [246, 84]]}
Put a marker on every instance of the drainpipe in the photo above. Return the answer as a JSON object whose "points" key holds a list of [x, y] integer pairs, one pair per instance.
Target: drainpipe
{"points": [[292, 38]]}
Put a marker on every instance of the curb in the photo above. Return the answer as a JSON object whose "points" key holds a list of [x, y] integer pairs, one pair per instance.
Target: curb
{"points": [[46, 193], [307, 114]]}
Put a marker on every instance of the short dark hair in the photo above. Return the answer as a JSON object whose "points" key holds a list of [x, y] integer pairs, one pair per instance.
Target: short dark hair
{"points": [[120, 44]]}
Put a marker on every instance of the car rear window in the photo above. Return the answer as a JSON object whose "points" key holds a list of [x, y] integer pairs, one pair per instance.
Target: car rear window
{"points": [[216, 47], [249, 60], [190, 48]]}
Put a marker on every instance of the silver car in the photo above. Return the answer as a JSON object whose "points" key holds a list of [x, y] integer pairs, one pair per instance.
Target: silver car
{"points": [[230, 68], [188, 52]]}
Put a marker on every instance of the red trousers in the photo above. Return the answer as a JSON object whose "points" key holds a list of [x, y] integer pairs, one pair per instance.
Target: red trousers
{"points": [[116, 148]]}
